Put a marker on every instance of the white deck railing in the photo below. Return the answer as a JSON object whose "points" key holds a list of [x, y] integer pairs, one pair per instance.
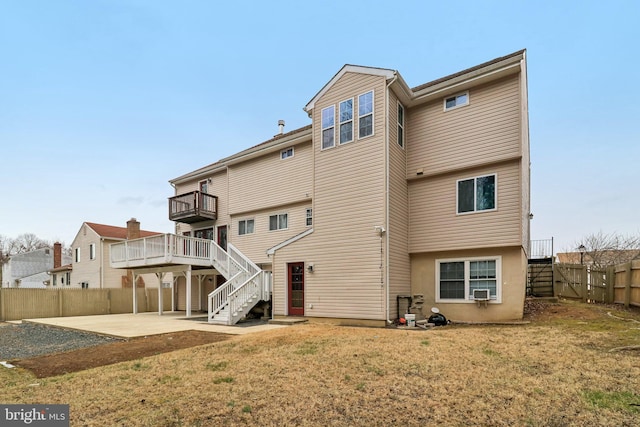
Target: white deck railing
{"points": [[246, 282]]}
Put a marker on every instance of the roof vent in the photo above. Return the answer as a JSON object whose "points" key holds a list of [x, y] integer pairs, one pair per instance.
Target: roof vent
{"points": [[281, 127]]}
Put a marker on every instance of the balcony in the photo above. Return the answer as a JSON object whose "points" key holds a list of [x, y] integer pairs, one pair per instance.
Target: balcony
{"points": [[193, 207]]}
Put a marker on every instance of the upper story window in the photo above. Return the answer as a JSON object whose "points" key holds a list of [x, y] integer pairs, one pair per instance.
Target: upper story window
{"points": [[346, 121], [456, 101], [285, 154], [245, 226], [365, 115], [92, 251], [278, 222], [400, 125], [456, 279], [77, 254], [309, 217], [328, 127], [477, 194]]}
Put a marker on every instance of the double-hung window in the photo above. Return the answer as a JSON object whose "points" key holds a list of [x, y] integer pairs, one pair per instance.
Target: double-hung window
{"points": [[278, 222], [92, 251], [476, 194], [77, 255], [328, 127], [456, 279], [365, 114], [346, 121], [309, 217], [245, 226], [400, 125]]}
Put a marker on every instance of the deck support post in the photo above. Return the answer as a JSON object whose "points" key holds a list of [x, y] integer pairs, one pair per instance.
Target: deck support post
{"points": [[160, 276], [188, 276]]}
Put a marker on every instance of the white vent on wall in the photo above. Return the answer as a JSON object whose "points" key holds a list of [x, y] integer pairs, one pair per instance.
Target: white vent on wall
{"points": [[481, 294]]}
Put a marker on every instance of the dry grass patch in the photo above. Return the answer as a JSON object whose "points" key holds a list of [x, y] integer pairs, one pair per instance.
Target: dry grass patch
{"points": [[548, 373]]}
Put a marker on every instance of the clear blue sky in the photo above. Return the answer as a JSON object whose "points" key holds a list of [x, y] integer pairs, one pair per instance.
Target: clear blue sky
{"points": [[103, 101]]}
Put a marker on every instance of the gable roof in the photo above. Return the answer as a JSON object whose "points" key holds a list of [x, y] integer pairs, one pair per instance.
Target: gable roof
{"points": [[113, 232], [348, 68]]}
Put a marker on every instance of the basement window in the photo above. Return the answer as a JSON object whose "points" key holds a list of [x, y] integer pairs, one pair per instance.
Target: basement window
{"points": [[456, 279]]}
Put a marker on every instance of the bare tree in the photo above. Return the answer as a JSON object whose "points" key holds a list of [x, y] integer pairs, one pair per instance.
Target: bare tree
{"points": [[603, 249], [28, 242]]}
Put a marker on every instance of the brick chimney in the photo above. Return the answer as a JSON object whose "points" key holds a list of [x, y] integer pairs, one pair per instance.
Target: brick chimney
{"points": [[133, 229], [57, 255]]}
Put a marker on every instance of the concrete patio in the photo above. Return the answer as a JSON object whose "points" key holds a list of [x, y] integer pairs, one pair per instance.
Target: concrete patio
{"points": [[143, 324]]}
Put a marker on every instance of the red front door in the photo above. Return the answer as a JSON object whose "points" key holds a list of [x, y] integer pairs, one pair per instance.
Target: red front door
{"points": [[296, 288]]}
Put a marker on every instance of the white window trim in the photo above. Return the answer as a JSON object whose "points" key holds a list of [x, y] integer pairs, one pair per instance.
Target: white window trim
{"points": [[245, 226], [76, 255], [92, 251], [401, 125], [278, 221], [284, 155], [474, 178], [322, 128], [340, 123], [467, 300], [372, 113], [444, 101]]}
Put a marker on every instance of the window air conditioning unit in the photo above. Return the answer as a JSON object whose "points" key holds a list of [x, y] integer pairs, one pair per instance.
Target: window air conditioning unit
{"points": [[481, 294]]}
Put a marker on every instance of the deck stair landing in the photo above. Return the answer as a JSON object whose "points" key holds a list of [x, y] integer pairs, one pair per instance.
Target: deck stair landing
{"points": [[246, 285]]}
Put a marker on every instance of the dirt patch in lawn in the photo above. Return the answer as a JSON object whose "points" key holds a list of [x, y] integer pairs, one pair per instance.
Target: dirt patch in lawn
{"points": [[136, 348]]}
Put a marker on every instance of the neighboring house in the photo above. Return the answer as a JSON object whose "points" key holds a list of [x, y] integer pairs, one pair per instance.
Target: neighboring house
{"points": [[29, 270], [599, 258], [391, 191], [90, 267]]}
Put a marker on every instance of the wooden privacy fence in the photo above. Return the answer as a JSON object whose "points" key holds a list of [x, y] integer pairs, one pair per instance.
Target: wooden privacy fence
{"points": [[619, 284], [17, 304]]}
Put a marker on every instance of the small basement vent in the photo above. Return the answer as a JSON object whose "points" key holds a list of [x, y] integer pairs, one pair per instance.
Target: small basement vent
{"points": [[481, 294]]}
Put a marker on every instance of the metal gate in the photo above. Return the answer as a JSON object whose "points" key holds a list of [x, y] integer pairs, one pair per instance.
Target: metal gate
{"points": [[540, 277]]}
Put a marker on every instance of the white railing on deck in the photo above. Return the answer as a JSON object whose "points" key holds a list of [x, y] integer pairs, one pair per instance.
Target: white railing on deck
{"points": [[246, 280]]}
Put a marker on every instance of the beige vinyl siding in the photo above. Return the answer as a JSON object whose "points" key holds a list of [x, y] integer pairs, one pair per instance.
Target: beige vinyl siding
{"points": [[435, 224], [269, 181], [255, 245], [217, 187], [349, 201], [487, 130], [398, 227]]}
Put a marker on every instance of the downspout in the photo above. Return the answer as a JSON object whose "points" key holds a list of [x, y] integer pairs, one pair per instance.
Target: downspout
{"points": [[386, 159]]}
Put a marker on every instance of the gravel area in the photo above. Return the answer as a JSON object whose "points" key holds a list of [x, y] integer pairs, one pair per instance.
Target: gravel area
{"points": [[21, 341]]}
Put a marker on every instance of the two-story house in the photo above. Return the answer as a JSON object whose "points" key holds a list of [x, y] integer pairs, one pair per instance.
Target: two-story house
{"points": [[29, 270], [391, 190], [90, 267]]}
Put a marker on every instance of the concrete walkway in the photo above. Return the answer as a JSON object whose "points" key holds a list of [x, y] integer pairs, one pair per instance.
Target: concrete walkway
{"points": [[143, 324]]}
